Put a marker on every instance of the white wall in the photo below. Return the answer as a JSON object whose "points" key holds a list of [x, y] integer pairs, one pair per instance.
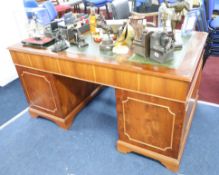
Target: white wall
{"points": [[12, 30]]}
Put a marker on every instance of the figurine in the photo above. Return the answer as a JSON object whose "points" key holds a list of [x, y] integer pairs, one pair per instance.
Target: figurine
{"points": [[178, 7], [170, 14], [165, 15], [124, 40], [107, 42], [126, 35]]}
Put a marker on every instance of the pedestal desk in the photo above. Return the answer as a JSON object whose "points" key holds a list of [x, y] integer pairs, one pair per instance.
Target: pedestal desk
{"points": [[155, 103]]}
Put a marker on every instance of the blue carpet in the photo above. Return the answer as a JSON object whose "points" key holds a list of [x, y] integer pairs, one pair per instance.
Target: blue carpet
{"points": [[13, 101], [38, 147]]}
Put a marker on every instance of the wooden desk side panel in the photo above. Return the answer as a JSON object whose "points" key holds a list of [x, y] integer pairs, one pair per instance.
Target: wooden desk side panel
{"points": [[150, 123], [191, 105], [156, 127], [40, 90], [55, 97]]}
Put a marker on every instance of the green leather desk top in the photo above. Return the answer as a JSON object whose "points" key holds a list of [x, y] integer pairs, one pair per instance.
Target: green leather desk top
{"points": [[94, 51]]}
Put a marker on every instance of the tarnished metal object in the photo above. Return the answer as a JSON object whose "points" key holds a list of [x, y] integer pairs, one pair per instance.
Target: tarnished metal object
{"points": [[75, 38], [178, 7], [60, 42], [161, 46], [106, 45], [165, 15], [170, 14], [136, 21], [107, 42], [142, 46]]}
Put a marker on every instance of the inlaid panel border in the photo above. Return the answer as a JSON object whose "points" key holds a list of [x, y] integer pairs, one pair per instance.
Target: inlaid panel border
{"points": [[50, 88], [153, 104]]}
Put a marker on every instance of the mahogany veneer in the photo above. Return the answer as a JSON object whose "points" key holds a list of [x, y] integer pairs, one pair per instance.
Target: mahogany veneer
{"points": [[155, 104], [54, 97]]}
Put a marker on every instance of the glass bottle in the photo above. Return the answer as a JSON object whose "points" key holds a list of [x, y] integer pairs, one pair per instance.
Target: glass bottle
{"points": [[92, 20]]}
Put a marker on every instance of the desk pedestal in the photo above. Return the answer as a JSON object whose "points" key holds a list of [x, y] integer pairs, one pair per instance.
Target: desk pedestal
{"points": [[154, 126], [151, 125], [54, 97]]}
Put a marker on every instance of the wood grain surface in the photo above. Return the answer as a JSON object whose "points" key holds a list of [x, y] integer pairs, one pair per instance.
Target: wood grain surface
{"points": [[155, 104]]}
